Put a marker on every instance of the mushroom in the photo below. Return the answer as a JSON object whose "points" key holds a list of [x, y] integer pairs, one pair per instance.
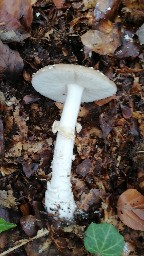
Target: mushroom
{"points": [[69, 84]]}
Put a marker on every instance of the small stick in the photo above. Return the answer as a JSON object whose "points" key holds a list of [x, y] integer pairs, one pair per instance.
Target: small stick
{"points": [[25, 241]]}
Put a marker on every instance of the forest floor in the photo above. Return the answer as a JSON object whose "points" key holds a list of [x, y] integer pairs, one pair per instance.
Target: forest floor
{"points": [[109, 150]]}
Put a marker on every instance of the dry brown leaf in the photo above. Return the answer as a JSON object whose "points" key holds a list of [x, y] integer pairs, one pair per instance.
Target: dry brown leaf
{"points": [[105, 40], [133, 9], [131, 209], [91, 199], [105, 101], [11, 63], [15, 18], [58, 3], [89, 4], [7, 199]]}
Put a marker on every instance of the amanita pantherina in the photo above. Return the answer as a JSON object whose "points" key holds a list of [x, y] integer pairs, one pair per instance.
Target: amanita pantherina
{"points": [[71, 85]]}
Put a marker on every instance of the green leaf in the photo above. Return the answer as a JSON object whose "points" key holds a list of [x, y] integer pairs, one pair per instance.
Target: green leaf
{"points": [[103, 240], [4, 225]]}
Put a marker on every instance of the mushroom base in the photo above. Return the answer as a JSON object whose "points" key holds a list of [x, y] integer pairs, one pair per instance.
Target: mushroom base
{"points": [[62, 207]]}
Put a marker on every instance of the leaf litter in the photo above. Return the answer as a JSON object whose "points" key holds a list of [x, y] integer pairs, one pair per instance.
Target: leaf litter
{"points": [[109, 148]]}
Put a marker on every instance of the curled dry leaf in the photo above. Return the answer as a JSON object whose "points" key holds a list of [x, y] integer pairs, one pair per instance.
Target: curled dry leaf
{"points": [[105, 101], [11, 63], [105, 40], [131, 209], [15, 18]]}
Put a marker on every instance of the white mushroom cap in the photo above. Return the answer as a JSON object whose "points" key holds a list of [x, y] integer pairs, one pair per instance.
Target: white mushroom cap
{"points": [[51, 81]]}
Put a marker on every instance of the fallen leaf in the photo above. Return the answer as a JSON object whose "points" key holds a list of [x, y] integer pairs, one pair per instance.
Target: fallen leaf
{"points": [[104, 40], [11, 64], [140, 34], [130, 209], [89, 4], [91, 199], [106, 124], [84, 168], [7, 199], [15, 18], [28, 99], [29, 225], [58, 3], [104, 101], [133, 10], [106, 9], [129, 47], [126, 111]]}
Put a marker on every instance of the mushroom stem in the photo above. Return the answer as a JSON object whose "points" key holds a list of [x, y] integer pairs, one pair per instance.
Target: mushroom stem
{"points": [[59, 197]]}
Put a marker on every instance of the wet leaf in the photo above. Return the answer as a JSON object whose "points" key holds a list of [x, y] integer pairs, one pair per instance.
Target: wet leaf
{"points": [[131, 209], [11, 64], [103, 239]]}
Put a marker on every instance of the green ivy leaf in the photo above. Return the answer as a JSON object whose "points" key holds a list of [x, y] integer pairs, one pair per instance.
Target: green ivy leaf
{"points": [[103, 240], [4, 225]]}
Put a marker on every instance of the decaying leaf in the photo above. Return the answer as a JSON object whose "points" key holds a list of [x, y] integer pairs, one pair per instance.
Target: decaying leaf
{"points": [[91, 199], [7, 199], [104, 40], [131, 209], [15, 18], [89, 4], [11, 64], [133, 10], [129, 47], [106, 124]]}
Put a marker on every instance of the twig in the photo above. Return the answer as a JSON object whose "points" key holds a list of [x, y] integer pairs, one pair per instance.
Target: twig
{"points": [[22, 242]]}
